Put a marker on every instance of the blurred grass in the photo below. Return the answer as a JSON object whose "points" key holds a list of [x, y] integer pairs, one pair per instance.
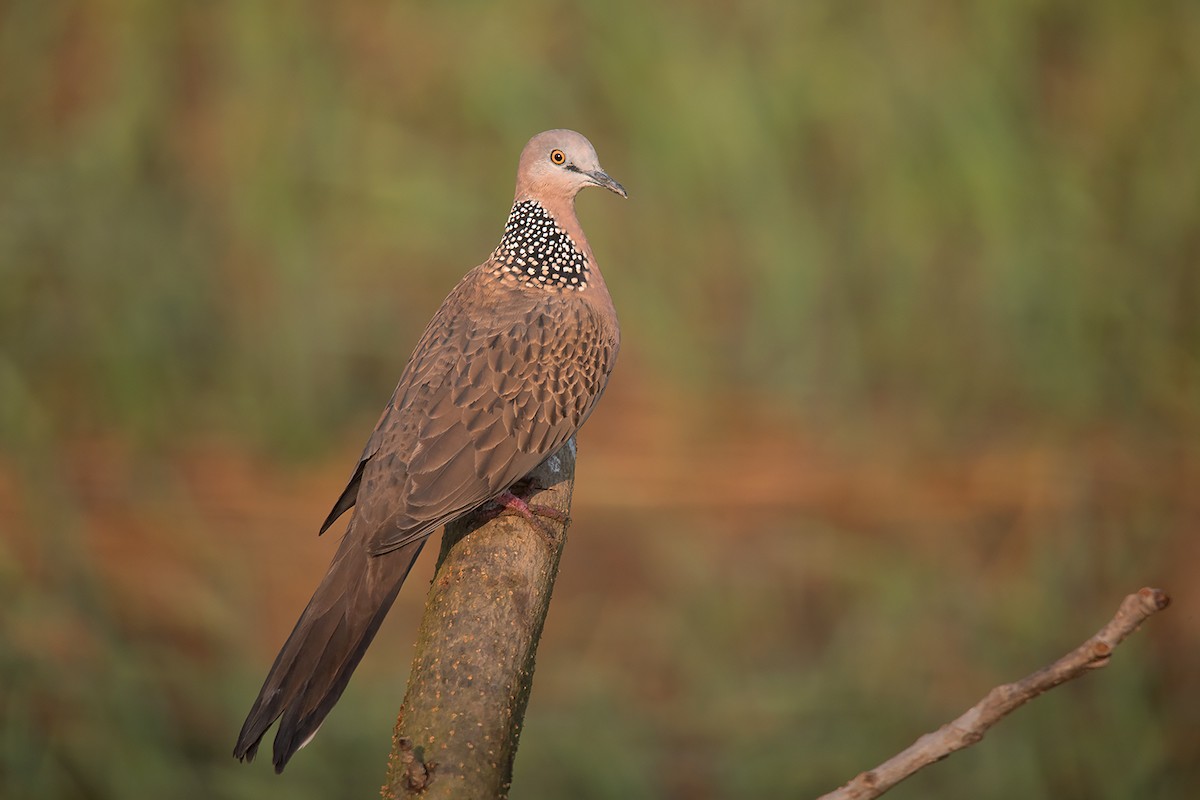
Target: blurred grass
{"points": [[965, 212], [938, 224]]}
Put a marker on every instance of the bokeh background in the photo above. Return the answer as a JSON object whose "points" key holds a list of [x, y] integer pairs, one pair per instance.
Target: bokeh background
{"points": [[909, 396]]}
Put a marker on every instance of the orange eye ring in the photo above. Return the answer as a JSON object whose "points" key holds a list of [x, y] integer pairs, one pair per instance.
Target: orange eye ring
{"points": [[558, 157]]}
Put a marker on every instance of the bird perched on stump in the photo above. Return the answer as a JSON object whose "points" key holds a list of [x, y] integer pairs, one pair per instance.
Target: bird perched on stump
{"points": [[508, 369]]}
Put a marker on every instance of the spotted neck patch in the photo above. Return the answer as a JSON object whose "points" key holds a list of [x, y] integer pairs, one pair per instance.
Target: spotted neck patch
{"points": [[537, 253]]}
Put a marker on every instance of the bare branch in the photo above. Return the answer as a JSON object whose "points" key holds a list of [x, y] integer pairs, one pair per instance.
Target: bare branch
{"points": [[456, 734], [1001, 701]]}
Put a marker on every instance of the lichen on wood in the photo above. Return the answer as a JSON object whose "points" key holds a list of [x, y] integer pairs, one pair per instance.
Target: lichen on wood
{"points": [[472, 672]]}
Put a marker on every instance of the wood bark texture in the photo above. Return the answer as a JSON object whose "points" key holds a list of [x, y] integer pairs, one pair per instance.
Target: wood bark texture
{"points": [[457, 731]]}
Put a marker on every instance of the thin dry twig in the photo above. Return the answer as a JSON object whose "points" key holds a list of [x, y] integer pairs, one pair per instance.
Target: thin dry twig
{"points": [[1001, 701]]}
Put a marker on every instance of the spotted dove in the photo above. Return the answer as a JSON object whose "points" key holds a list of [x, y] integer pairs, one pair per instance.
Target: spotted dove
{"points": [[506, 372]]}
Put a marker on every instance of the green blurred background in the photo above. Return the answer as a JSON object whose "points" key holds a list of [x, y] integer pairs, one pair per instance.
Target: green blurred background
{"points": [[909, 396]]}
